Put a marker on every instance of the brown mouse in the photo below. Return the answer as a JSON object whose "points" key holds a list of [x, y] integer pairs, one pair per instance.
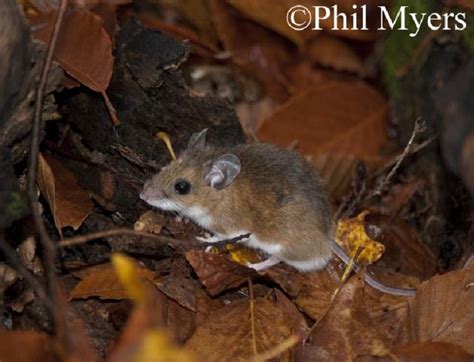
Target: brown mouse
{"points": [[259, 189]]}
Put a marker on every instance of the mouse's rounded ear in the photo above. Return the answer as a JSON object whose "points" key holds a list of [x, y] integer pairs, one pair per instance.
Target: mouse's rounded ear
{"points": [[197, 140], [223, 171]]}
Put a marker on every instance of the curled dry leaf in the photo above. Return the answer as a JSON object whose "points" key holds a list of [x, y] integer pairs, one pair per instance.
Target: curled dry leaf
{"points": [[226, 334], [101, 281], [69, 203], [442, 310], [351, 235], [216, 271]]}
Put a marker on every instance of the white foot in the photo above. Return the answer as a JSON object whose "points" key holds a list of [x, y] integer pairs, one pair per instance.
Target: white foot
{"points": [[271, 261]]}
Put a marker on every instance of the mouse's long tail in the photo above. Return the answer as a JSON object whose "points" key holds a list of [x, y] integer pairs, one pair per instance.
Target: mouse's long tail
{"points": [[369, 279]]}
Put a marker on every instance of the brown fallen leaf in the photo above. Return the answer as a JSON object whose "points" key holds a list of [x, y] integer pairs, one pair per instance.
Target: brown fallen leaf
{"points": [[303, 75], [271, 14], [153, 312], [346, 118], [350, 330], [347, 7], [107, 12], [337, 171], [431, 351], [334, 53], [216, 271], [226, 334], [84, 50], [180, 286], [26, 346], [442, 310], [405, 250], [335, 123], [467, 4], [318, 288], [69, 203], [254, 49], [101, 281]]}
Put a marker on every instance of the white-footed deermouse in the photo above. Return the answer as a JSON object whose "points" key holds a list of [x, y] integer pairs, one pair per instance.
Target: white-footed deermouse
{"points": [[258, 189]]}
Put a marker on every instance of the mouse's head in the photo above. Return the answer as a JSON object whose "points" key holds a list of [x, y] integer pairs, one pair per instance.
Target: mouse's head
{"points": [[191, 181]]}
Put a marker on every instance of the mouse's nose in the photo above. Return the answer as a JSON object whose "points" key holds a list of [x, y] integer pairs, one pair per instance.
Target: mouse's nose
{"points": [[151, 192]]}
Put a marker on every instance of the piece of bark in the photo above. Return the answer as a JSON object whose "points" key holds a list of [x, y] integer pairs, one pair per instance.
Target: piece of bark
{"points": [[148, 91]]}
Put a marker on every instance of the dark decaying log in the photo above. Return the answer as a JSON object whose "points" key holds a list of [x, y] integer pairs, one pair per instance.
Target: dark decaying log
{"points": [[148, 91]]}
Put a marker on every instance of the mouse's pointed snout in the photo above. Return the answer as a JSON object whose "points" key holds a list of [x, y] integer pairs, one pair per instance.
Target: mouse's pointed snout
{"points": [[151, 192]]}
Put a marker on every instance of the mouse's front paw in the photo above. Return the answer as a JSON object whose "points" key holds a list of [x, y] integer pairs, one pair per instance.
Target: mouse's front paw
{"points": [[210, 239]]}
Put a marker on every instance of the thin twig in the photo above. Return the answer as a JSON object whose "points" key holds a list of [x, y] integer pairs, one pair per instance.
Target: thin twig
{"points": [[345, 276], [416, 148], [252, 316], [419, 127], [81, 239], [49, 250], [110, 109]]}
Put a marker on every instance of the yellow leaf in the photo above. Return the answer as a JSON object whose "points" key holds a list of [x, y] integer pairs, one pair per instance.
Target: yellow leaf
{"points": [[127, 272], [156, 346], [242, 255], [351, 235]]}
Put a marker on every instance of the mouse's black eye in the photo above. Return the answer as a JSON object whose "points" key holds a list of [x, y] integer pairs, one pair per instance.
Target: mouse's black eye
{"points": [[182, 187]]}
